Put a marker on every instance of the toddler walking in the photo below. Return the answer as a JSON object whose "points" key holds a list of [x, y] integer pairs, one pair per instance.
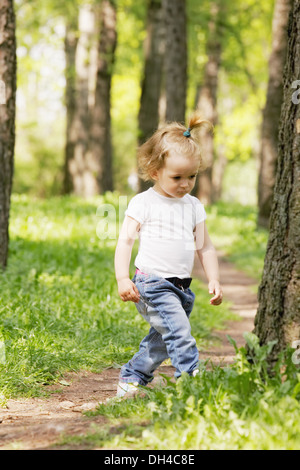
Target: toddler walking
{"points": [[170, 225]]}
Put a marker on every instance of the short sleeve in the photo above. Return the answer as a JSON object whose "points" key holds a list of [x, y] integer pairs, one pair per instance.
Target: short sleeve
{"points": [[200, 212], [136, 209]]}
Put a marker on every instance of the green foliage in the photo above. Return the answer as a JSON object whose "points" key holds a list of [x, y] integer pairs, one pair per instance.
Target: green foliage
{"points": [[245, 37], [40, 121], [38, 169], [59, 305], [236, 407]]}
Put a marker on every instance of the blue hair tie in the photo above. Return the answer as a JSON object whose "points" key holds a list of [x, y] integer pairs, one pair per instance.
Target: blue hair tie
{"points": [[187, 132]]}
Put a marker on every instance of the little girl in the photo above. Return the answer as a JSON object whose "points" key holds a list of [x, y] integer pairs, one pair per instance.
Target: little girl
{"points": [[170, 224]]}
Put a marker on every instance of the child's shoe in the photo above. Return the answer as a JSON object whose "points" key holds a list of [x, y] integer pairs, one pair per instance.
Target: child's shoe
{"points": [[128, 389], [195, 372]]}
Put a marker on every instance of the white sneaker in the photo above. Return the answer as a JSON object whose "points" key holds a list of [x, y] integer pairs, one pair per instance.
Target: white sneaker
{"points": [[195, 372], [128, 389]]}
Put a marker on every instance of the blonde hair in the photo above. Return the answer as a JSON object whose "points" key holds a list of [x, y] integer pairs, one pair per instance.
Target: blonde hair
{"points": [[173, 136]]}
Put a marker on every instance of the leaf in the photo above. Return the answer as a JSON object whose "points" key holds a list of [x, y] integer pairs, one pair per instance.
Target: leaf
{"points": [[169, 381], [296, 391], [64, 382], [252, 340], [232, 341], [271, 345]]}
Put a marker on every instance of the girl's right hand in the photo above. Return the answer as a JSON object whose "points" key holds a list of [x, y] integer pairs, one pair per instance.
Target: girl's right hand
{"points": [[128, 291]]}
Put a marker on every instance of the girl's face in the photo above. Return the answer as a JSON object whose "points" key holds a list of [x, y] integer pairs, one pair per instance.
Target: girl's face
{"points": [[178, 175]]}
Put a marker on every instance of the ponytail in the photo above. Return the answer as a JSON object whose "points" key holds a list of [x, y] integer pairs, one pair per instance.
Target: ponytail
{"points": [[196, 123]]}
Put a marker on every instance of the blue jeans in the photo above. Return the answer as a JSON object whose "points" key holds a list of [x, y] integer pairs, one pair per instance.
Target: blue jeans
{"points": [[167, 309]]}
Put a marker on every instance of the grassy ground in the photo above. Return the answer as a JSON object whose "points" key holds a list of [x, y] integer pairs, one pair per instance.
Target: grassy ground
{"points": [[60, 311], [237, 407], [234, 230], [59, 304]]}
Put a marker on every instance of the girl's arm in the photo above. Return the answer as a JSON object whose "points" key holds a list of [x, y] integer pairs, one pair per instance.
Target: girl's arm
{"points": [[126, 288], [209, 260]]}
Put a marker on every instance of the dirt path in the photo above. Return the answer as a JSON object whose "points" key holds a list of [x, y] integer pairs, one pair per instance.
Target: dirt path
{"points": [[38, 423]]}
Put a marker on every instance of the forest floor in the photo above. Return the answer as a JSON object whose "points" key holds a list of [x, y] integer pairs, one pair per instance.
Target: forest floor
{"points": [[38, 423]]}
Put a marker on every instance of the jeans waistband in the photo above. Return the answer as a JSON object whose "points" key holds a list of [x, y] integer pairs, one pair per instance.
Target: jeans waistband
{"points": [[180, 283]]}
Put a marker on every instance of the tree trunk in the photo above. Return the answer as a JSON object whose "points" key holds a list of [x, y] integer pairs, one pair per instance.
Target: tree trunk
{"points": [[152, 79], [271, 113], [207, 104], [175, 59], [7, 119], [101, 146], [70, 102], [278, 315], [79, 174]]}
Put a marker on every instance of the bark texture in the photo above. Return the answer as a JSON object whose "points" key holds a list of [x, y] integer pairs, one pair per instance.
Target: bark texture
{"points": [[207, 102], [79, 177], [175, 59], [153, 72], [7, 119], [91, 47], [278, 315], [101, 145], [70, 101], [271, 113]]}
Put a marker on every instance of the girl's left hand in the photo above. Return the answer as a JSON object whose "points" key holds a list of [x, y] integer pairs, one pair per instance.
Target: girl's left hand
{"points": [[214, 287]]}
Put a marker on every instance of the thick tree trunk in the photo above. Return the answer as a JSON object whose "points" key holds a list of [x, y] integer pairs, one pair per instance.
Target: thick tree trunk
{"points": [[101, 145], [278, 315], [152, 79], [7, 119], [175, 59], [271, 114], [207, 104]]}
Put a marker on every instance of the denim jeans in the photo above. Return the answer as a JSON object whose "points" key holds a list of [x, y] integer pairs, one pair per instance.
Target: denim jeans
{"points": [[167, 309]]}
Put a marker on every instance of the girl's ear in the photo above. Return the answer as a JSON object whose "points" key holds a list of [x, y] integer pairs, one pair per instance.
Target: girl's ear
{"points": [[154, 175]]}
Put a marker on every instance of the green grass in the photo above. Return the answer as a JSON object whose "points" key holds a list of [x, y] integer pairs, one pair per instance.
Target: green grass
{"points": [[60, 311], [59, 306], [237, 407], [233, 229]]}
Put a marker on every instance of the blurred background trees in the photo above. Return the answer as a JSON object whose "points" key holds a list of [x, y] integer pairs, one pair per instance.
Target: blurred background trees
{"points": [[95, 78], [271, 112]]}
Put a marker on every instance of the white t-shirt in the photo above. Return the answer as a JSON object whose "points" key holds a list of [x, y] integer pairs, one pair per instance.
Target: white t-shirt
{"points": [[166, 237]]}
